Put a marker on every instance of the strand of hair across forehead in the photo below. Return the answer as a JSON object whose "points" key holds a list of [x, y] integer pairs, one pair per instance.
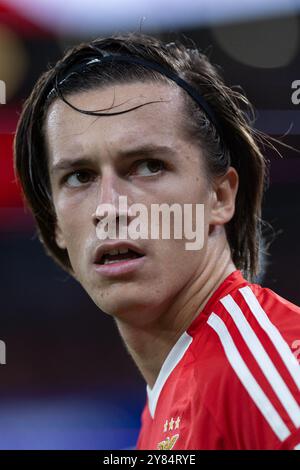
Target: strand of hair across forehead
{"points": [[123, 58]]}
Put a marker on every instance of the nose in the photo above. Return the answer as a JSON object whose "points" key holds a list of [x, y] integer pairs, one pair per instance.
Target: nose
{"points": [[112, 200]]}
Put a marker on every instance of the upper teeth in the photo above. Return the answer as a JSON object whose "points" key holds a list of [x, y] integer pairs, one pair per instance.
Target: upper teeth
{"points": [[117, 251]]}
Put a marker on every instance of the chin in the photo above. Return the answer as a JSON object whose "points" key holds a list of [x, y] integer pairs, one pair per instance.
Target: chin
{"points": [[129, 307], [121, 308]]}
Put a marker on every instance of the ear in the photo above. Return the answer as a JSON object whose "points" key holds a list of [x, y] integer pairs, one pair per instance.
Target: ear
{"points": [[59, 238], [224, 192]]}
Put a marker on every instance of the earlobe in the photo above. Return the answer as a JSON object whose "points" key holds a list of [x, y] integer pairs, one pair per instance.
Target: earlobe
{"points": [[59, 238], [223, 197]]}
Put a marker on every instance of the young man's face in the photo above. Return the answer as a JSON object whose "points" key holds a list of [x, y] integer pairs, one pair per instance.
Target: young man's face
{"points": [[175, 174]]}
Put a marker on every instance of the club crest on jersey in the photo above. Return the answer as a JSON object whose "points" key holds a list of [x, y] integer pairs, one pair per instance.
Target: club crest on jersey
{"points": [[168, 443]]}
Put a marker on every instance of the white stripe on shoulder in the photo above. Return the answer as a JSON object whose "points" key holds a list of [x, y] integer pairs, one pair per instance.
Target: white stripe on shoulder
{"points": [[297, 447], [253, 388], [265, 363], [280, 344], [173, 358]]}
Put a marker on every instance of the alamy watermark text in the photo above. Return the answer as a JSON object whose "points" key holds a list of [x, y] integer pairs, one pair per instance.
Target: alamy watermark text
{"points": [[2, 352], [2, 92]]}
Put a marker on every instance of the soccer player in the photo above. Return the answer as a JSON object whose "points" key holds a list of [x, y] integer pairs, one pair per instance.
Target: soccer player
{"points": [[129, 116]]}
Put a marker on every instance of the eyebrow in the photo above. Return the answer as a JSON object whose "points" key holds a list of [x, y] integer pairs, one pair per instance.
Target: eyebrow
{"points": [[144, 150]]}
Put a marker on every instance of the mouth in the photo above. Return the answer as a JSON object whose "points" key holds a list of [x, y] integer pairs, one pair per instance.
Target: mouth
{"points": [[112, 261], [119, 255]]}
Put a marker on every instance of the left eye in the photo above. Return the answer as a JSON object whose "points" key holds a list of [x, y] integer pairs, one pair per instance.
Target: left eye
{"points": [[78, 178], [149, 167]]}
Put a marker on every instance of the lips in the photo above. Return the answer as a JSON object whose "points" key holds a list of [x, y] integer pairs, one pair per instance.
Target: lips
{"points": [[116, 252], [114, 256]]}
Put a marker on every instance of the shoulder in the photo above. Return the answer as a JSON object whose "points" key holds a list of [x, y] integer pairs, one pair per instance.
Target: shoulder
{"points": [[262, 320], [254, 332], [259, 317]]}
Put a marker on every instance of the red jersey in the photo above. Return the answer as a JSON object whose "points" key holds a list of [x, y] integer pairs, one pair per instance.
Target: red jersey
{"points": [[232, 380]]}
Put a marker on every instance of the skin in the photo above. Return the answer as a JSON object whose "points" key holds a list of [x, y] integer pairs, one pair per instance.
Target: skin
{"points": [[154, 305]]}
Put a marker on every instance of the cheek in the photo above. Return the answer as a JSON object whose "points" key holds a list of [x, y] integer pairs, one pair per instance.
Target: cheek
{"points": [[71, 208], [193, 196], [191, 187], [178, 262], [74, 217], [172, 268]]}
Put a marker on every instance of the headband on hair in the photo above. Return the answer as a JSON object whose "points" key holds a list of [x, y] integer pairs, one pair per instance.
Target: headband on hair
{"points": [[110, 58]]}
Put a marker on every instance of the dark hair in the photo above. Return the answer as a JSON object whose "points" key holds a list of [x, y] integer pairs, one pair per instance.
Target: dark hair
{"points": [[238, 146]]}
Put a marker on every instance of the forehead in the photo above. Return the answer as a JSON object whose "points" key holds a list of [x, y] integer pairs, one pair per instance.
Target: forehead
{"points": [[159, 120]]}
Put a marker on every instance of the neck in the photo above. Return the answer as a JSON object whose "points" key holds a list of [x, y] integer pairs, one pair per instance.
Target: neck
{"points": [[150, 345]]}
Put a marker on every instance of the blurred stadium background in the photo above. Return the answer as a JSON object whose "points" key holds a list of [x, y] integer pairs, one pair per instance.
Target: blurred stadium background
{"points": [[68, 382]]}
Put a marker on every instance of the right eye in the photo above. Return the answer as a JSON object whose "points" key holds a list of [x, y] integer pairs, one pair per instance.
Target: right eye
{"points": [[78, 178]]}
